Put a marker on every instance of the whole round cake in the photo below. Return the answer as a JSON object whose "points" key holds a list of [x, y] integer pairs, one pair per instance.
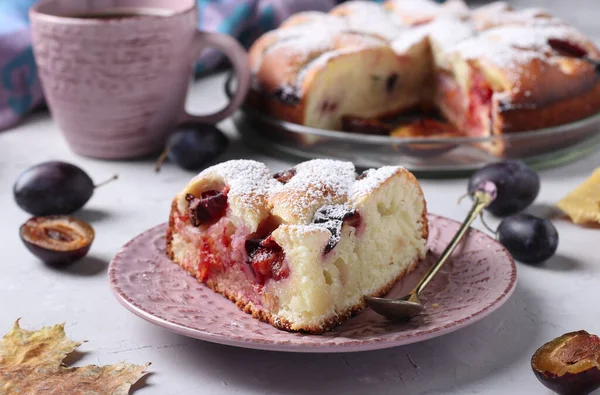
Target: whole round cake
{"points": [[489, 71]]}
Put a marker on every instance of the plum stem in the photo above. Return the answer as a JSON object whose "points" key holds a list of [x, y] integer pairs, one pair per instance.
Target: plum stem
{"points": [[485, 224], [161, 159], [113, 178]]}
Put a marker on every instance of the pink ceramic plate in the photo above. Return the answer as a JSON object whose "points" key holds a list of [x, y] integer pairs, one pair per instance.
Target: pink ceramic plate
{"points": [[476, 282]]}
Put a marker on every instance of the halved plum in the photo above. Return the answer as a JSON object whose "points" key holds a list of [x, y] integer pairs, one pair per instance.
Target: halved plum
{"points": [[569, 364], [57, 239]]}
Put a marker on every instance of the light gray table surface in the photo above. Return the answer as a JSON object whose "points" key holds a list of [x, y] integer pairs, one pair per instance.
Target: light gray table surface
{"points": [[489, 357]]}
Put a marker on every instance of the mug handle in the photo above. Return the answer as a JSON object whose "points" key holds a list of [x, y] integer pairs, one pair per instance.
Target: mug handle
{"points": [[228, 82], [239, 59]]}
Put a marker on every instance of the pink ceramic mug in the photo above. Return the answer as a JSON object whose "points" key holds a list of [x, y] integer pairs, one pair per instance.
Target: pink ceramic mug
{"points": [[115, 73]]}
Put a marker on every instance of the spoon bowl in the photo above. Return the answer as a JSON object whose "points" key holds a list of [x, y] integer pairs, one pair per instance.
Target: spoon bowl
{"points": [[396, 309]]}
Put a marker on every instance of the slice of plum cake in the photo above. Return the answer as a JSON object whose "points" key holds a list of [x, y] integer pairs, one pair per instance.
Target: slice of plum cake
{"points": [[301, 248]]}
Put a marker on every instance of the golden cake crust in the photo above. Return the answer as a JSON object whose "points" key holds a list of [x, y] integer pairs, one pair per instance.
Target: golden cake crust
{"points": [[531, 116]]}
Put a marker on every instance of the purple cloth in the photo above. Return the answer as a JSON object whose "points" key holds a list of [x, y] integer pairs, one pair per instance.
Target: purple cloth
{"points": [[20, 89]]}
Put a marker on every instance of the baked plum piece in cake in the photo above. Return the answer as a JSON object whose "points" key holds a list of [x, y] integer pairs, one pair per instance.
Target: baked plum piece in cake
{"points": [[301, 248]]}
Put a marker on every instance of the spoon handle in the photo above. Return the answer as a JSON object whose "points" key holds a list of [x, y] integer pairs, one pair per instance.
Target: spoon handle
{"points": [[481, 199]]}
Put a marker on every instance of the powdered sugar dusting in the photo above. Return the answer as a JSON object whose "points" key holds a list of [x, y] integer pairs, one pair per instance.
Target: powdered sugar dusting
{"points": [[418, 11], [492, 9], [493, 36], [497, 14], [317, 183], [513, 47], [421, 7], [509, 59], [534, 38], [444, 32], [371, 180], [449, 31], [533, 13], [332, 212], [456, 8], [296, 39], [320, 39], [368, 17], [323, 59], [481, 46], [408, 40], [318, 62], [248, 180]]}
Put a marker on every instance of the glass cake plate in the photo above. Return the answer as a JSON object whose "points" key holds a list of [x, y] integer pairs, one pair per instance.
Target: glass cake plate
{"points": [[431, 157]]}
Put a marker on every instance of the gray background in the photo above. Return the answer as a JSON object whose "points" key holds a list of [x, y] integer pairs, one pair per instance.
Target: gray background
{"points": [[489, 357]]}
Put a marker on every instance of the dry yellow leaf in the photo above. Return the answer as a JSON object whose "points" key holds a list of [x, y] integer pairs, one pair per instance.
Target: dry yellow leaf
{"points": [[31, 363], [582, 205]]}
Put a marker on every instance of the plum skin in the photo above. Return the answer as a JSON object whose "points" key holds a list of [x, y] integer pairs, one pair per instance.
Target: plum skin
{"points": [[56, 258], [517, 186], [52, 188], [528, 238], [192, 146], [581, 383]]}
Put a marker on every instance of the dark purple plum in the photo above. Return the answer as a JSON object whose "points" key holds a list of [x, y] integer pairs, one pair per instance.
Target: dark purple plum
{"points": [[193, 146], [57, 240], [529, 239], [53, 188], [516, 183]]}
